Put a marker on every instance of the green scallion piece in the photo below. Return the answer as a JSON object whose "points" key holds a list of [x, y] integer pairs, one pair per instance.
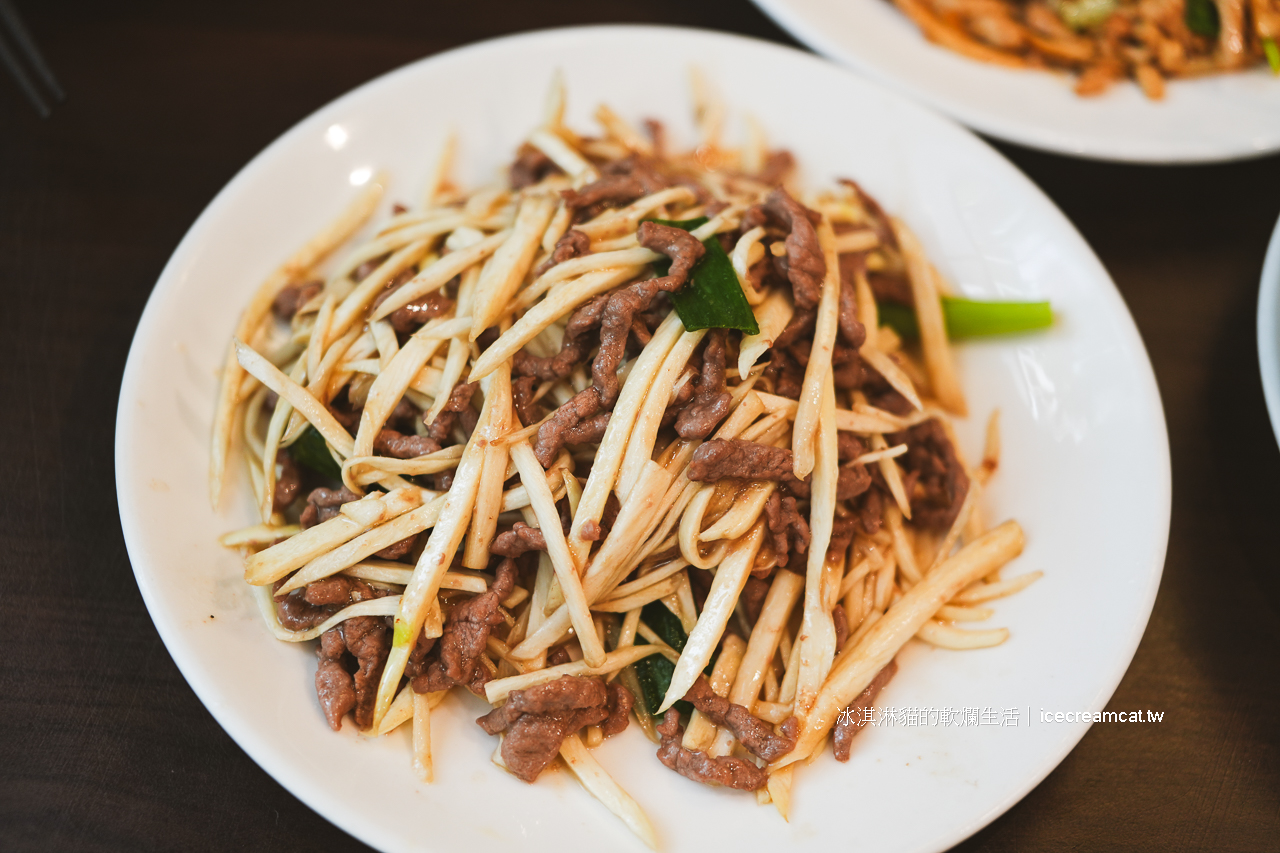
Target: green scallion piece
{"points": [[311, 452], [655, 671], [1202, 18], [968, 318], [712, 298]]}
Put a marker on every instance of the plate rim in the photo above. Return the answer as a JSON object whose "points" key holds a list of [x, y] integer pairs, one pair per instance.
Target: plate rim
{"points": [[315, 797], [808, 33], [1268, 321]]}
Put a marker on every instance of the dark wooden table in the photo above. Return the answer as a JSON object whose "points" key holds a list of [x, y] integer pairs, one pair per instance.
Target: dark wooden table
{"points": [[102, 744]]}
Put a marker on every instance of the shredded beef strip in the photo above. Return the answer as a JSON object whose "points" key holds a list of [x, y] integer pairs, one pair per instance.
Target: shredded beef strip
{"points": [[700, 767], [891, 401], [749, 460], [616, 320], [398, 550], [879, 219], [786, 374], [457, 409], [890, 286], [410, 317], [420, 657], [777, 165], [536, 720], [804, 265], [323, 504], [737, 458], [852, 480], [593, 531], [349, 419], [567, 693], [711, 403], [621, 182], [754, 733], [758, 272], [640, 332], [366, 269], [400, 280], [308, 607], [802, 322], [848, 446], [589, 431], [936, 481], [848, 371], [700, 587], [612, 190], [644, 169], [577, 343], [530, 166], [552, 435], [522, 390], [801, 350], [391, 443], [288, 484], [870, 510], [364, 638], [533, 741], [851, 720], [674, 409], [850, 326], [338, 589], [487, 337], [403, 416], [368, 640], [684, 250], [288, 301], [298, 614], [753, 595], [572, 352], [882, 395], [620, 704], [335, 687], [572, 244], [517, 541], [466, 630], [840, 620], [787, 527], [843, 528]]}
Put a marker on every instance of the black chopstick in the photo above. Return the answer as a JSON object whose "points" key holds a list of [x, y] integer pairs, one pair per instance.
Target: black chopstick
{"points": [[13, 30]]}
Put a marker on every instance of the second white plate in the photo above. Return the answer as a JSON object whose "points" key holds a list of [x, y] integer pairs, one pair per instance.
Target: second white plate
{"points": [[1221, 117], [1269, 330]]}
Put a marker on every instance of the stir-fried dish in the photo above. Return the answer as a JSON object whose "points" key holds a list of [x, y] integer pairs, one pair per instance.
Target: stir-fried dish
{"points": [[1105, 41], [633, 433]]}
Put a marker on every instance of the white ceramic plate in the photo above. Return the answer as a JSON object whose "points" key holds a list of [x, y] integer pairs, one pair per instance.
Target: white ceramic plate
{"points": [[1223, 117], [1085, 468], [1269, 329]]}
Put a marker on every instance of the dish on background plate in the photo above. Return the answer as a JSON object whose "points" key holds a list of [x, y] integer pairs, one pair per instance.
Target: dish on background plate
{"points": [[1218, 117], [1079, 407], [1269, 329]]}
